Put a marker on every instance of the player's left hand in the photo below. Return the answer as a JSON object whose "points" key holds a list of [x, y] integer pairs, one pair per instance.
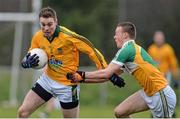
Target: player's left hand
{"points": [[76, 77], [116, 80]]}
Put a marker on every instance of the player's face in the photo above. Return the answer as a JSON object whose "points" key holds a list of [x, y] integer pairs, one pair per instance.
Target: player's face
{"points": [[119, 36], [159, 38], [48, 26]]}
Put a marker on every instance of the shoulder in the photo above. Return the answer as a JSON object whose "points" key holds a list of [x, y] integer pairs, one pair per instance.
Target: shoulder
{"points": [[38, 34], [66, 31], [130, 47], [69, 32], [168, 47], [152, 46], [74, 36], [126, 53], [66, 34]]}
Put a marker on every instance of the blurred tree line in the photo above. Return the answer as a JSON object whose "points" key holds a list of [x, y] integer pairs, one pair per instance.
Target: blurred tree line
{"points": [[97, 20]]}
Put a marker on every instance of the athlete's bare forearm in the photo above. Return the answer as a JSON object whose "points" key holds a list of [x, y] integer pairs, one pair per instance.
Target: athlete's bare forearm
{"points": [[95, 80]]}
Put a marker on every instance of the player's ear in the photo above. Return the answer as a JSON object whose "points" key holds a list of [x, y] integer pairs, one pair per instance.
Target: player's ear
{"points": [[125, 34], [56, 21]]}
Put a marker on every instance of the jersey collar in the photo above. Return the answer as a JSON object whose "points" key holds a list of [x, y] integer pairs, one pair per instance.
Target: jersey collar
{"points": [[127, 42], [56, 32]]}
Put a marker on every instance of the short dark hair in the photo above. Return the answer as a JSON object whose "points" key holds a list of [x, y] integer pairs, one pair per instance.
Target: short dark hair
{"points": [[47, 12], [130, 28]]}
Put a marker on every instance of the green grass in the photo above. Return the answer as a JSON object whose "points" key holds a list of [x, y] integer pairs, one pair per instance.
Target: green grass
{"points": [[4, 84], [96, 100], [85, 112]]}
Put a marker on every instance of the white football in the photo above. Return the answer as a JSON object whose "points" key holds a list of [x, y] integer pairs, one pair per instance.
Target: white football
{"points": [[43, 58]]}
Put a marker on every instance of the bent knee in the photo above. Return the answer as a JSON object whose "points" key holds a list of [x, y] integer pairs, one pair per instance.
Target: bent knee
{"points": [[119, 113], [23, 113]]}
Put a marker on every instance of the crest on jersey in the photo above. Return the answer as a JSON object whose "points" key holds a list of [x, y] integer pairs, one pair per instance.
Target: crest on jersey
{"points": [[59, 50]]}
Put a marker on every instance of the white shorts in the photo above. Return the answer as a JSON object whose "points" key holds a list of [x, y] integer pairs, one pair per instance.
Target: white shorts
{"points": [[162, 104], [62, 92], [168, 76]]}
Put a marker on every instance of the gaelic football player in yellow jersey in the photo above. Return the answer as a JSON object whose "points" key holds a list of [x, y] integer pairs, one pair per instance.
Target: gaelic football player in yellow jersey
{"points": [[164, 56], [62, 47], [155, 94]]}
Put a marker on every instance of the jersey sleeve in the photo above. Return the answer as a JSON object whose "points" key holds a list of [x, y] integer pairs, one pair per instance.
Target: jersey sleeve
{"points": [[124, 55], [91, 51], [85, 46]]}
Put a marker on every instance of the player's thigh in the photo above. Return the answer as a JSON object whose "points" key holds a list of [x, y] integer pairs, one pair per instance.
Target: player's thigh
{"points": [[134, 103], [68, 97], [31, 101]]}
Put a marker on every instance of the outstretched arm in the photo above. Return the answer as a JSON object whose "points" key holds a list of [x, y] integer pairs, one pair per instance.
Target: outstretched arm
{"points": [[95, 80], [104, 73], [95, 76]]}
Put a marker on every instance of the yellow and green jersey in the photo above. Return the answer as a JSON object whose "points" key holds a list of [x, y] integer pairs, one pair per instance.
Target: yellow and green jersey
{"points": [[135, 60], [165, 58], [63, 53]]}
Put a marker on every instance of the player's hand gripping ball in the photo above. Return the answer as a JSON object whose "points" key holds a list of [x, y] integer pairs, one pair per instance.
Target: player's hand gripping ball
{"points": [[36, 58]]}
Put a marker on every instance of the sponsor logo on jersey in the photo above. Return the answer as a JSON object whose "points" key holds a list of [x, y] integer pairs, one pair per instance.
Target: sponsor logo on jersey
{"points": [[55, 63]]}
